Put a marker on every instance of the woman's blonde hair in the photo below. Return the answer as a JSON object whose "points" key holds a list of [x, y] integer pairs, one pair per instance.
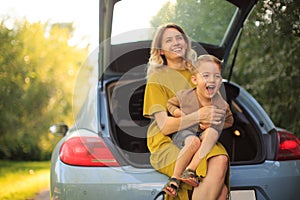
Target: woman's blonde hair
{"points": [[158, 61]]}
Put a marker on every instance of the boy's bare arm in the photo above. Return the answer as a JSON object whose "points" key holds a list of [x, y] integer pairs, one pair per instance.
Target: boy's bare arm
{"points": [[173, 107]]}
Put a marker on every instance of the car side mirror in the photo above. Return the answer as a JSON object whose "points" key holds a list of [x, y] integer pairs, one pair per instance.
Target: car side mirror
{"points": [[59, 129]]}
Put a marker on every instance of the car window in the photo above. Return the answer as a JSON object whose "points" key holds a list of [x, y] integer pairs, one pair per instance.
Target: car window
{"points": [[204, 21]]}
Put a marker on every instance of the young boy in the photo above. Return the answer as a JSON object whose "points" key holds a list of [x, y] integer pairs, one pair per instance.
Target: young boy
{"points": [[196, 141]]}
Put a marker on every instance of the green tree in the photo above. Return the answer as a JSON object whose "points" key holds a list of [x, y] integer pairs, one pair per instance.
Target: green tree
{"points": [[37, 72], [195, 16], [268, 60]]}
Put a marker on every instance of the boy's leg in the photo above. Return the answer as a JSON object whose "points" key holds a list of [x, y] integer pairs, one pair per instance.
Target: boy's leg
{"points": [[164, 161], [189, 144], [209, 138]]}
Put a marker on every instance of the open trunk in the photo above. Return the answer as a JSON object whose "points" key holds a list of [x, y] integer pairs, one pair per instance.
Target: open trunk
{"points": [[129, 127]]}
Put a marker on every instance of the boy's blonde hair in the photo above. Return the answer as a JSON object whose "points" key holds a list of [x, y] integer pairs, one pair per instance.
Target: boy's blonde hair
{"points": [[194, 69]]}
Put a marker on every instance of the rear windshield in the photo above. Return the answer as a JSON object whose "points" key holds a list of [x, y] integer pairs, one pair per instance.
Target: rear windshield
{"points": [[204, 21]]}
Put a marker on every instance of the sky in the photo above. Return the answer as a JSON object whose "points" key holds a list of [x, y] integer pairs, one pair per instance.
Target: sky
{"points": [[83, 14]]}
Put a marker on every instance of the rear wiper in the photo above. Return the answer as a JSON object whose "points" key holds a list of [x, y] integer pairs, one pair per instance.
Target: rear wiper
{"points": [[235, 54]]}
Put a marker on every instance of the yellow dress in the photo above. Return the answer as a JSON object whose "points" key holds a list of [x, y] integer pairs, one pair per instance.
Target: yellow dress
{"points": [[161, 86]]}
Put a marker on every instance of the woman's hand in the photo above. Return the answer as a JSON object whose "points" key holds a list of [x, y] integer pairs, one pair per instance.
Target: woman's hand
{"points": [[210, 115]]}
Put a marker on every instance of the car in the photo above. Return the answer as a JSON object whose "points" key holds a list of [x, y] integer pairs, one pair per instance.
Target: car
{"points": [[104, 154]]}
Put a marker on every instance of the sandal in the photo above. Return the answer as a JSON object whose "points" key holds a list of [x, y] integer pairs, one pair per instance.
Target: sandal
{"points": [[190, 177], [172, 187]]}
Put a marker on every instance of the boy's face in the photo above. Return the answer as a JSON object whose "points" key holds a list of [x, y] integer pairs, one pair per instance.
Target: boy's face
{"points": [[208, 80]]}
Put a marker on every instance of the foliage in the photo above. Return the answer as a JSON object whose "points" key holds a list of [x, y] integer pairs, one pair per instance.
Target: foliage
{"points": [[22, 180], [268, 60], [37, 72], [196, 25], [267, 63]]}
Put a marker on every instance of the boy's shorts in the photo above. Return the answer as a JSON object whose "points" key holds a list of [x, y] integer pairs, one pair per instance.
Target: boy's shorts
{"points": [[179, 137]]}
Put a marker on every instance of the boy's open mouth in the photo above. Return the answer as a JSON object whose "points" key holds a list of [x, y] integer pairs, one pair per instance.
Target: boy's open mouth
{"points": [[210, 89]]}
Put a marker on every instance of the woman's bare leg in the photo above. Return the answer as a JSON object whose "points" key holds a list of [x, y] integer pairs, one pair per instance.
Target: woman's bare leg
{"points": [[224, 193], [211, 187]]}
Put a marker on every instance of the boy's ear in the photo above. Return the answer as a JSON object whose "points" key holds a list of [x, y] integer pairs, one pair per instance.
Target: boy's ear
{"points": [[194, 79]]}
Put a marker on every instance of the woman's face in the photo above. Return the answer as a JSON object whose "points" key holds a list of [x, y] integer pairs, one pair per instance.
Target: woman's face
{"points": [[173, 44], [208, 80]]}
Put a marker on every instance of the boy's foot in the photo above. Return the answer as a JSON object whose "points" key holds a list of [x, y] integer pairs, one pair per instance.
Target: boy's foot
{"points": [[190, 177], [172, 187]]}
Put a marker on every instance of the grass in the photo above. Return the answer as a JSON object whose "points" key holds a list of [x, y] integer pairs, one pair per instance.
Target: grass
{"points": [[22, 180]]}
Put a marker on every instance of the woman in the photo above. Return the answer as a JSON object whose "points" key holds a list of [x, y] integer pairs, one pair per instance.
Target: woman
{"points": [[170, 55]]}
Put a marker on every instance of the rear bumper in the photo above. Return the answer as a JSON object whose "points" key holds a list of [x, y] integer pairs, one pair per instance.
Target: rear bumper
{"points": [[72, 183], [270, 180]]}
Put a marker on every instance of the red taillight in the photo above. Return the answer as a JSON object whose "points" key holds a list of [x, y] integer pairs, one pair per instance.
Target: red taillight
{"points": [[87, 151], [289, 146]]}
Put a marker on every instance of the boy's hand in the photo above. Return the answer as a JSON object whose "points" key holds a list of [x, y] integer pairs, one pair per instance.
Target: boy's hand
{"points": [[178, 113], [204, 126]]}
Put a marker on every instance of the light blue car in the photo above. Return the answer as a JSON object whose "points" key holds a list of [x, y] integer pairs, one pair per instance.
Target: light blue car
{"points": [[104, 154]]}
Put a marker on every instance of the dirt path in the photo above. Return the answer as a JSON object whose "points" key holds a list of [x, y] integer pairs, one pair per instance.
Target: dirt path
{"points": [[43, 195]]}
